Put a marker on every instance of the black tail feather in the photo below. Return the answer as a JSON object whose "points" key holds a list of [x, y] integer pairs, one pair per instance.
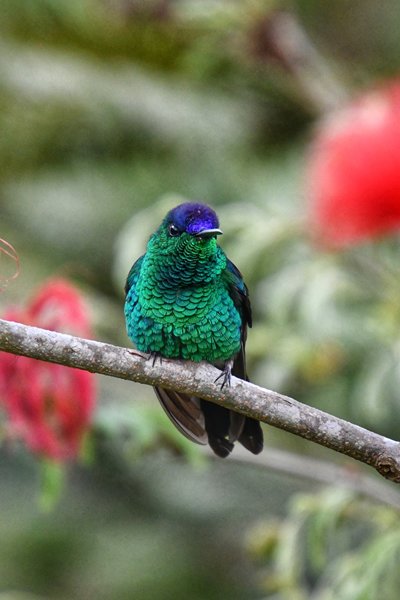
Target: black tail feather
{"points": [[252, 436], [218, 424]]}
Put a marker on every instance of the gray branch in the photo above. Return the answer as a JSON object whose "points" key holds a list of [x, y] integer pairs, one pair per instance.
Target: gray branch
{"points": [[198, 379]]}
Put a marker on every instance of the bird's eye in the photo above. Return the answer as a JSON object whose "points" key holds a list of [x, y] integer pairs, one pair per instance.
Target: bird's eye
{"points": [[173, 231]]}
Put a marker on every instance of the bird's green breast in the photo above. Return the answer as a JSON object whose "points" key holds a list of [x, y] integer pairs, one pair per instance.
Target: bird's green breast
{"points": [[168, 315]]}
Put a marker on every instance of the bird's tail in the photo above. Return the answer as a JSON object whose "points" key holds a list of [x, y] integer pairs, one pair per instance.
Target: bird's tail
{"points": [[204, 422]]}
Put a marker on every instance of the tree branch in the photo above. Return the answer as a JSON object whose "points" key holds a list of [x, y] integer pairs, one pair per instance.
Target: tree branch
{"points": [[198, 379]]}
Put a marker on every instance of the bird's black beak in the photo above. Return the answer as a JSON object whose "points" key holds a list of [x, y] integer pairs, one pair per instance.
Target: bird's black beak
{"points": [[208, 233]]}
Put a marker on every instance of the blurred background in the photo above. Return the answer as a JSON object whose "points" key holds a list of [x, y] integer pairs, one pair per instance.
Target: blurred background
{"points": [[112, 112]]}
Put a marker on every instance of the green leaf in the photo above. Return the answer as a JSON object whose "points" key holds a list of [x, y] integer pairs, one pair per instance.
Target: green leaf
{"points": [[52, 481]]}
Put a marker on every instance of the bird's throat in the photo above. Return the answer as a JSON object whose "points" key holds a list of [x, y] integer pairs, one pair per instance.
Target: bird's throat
{"points": [[196, 264]]}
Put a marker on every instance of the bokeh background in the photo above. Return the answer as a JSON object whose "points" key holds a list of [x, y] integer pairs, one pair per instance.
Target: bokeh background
{"points": [[111, 112]]}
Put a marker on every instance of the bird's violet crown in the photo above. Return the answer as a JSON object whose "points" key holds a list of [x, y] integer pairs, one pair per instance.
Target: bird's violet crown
{"points": [[193, 217]]}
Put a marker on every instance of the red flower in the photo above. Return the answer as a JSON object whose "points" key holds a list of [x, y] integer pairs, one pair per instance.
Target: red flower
{"points": [[354, 169], [48, 406]]}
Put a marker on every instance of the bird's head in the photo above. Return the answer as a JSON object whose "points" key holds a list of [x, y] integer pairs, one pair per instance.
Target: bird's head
{"points": [[184, 250], [190, 226]]}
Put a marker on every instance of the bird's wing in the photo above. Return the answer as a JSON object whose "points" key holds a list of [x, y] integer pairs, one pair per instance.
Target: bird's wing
{"points": [[247, 430], [133, 275], [185, 413], [240, 295]]}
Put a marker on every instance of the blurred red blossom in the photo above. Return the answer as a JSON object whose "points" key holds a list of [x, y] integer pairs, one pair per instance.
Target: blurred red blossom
{"points": [[48, 406], [354, 169]]}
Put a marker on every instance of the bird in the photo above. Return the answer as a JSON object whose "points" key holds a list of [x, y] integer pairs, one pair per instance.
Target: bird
{"points": [[184, 299]]}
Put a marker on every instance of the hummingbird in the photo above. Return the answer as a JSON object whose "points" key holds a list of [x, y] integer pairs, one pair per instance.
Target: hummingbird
{"points": [[186, 300]]}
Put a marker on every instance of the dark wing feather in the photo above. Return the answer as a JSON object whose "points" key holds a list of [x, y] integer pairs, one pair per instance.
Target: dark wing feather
{"points": [[238, 291], [240, 295], [248, 431], [185, 413]]}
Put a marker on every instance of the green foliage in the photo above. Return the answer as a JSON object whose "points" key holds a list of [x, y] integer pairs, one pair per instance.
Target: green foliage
{"points": [[331, 545], [51, 484], [141, 429]]}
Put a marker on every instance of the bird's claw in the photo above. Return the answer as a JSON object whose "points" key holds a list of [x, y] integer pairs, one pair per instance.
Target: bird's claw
{"points": [[151, 356], [155, 356], [226, 376]]}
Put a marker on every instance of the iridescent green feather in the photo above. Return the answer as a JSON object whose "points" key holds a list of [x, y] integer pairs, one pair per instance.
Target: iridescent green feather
{"points": [[166, 315]]}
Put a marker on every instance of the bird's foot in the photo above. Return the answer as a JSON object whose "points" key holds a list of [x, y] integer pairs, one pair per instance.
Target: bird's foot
{"points": [[151, 356], [226, 374], [154, 356]]}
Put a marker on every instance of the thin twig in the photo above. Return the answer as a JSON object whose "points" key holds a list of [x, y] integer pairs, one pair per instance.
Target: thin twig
{"points": [[321, 471], [281, 37], [7, 249], [198, 379]]}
